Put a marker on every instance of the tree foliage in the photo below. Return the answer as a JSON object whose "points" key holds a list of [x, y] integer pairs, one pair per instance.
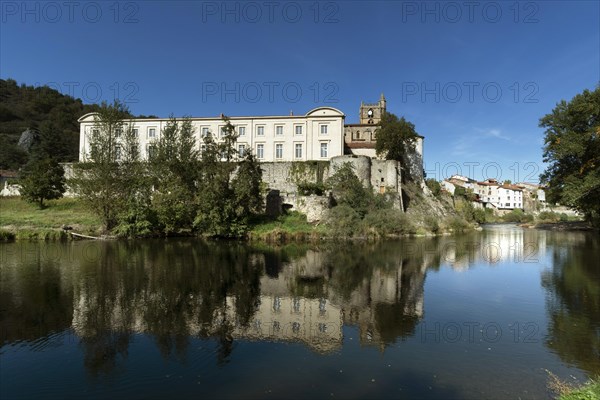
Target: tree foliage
{"points": [[226, 202], [42, 179], [348, 190], [108, 178], [396, 139], [173, 169], [434, 186], [572, 149]]}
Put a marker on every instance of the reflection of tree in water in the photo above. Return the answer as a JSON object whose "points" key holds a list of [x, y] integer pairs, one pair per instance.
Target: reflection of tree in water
{"points": [[380, 286], [34, 301], [176, 289], [103, 350], [573, 303], [171, 292]]}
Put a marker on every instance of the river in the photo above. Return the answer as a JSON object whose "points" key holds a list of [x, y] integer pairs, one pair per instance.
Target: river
{"points": [[481, 315]]}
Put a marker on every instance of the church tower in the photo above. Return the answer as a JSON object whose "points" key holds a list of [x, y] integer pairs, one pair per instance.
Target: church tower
{"points": [[370, 114]]}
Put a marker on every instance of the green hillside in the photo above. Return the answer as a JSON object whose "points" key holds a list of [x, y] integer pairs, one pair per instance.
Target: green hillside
{"points": [[43, 110]]}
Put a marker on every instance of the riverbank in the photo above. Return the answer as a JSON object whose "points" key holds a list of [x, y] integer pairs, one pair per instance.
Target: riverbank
{"points": [[20, 220], [562, 226], [569, 391], [24, 221], [590, 391]]}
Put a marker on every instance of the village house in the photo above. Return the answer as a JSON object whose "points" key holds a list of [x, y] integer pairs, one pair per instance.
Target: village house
{"points": [[489, 193]]}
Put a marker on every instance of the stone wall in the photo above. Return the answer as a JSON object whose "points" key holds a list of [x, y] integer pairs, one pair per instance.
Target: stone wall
{"points": [[282, 178], [285, 176]]}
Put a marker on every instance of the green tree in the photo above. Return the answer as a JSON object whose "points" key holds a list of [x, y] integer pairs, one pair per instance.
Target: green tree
{"points": [[434, 186], [42, 179], [396, 139], [572, 149], [106, 178], [226, 200], [348, 189], [174, 166], [247, 186]]}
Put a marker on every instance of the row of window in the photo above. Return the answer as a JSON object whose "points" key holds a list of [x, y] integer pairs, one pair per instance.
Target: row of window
{"points": [[260, 150], [241, 130], [513, 204], [260, 130], [296, 327]]}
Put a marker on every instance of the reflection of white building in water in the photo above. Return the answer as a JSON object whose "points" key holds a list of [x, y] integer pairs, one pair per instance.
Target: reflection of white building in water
{"points": [[314, 322], [284, 312]]}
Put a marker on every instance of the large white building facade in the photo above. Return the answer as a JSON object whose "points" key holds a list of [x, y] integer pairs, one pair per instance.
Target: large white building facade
{"points": [[318, 135]]}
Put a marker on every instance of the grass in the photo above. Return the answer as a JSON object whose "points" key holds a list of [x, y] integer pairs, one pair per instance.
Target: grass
{"points": [[589, 391], [22, 220], [291, 226], [568, 391]]}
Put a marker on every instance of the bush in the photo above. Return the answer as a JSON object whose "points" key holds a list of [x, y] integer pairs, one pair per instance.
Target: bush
{"points": [[387, 222], [432, 224], [548, 216], [457, 224], [514, 216], [479, 216], [434, 186], [307, 189], [343, 221], [6, 236], [527, 218], [563, 217], [517, 215], [348, 189]]}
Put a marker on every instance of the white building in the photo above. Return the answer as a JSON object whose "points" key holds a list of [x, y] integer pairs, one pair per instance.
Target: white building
{"points": [[499, 196], [448, 186], [318, 135]]}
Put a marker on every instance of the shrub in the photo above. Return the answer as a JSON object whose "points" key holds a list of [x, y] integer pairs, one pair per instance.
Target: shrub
{"points": [[514, 216], [348, 189], [308, 188], [432, 224], [563, 217], [387, 222], [548, 216], [527, 218], [457, 224], [480, 216], [6, 236], [343, 221], [434, 186]]}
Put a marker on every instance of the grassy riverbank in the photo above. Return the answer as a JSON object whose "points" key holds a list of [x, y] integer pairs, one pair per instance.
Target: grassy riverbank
{"points": [[22, 220], [590, 391], [290, 227], [568, 391]]}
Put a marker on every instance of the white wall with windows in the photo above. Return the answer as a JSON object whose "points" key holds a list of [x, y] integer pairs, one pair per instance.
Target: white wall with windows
{"points": [[318, 135]]}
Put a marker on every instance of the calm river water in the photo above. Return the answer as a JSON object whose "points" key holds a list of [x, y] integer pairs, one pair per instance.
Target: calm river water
{"points": [[483, 315]]}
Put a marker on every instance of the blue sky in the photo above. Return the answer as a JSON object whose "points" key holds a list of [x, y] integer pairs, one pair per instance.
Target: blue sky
{"points": [[474, 77]]}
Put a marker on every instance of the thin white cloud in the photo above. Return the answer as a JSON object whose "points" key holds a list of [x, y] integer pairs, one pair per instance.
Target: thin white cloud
{"points": [[494, 133]]}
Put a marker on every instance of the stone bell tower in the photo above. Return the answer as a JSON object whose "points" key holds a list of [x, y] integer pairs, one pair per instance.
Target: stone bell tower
{"points": [[370, 114]]}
